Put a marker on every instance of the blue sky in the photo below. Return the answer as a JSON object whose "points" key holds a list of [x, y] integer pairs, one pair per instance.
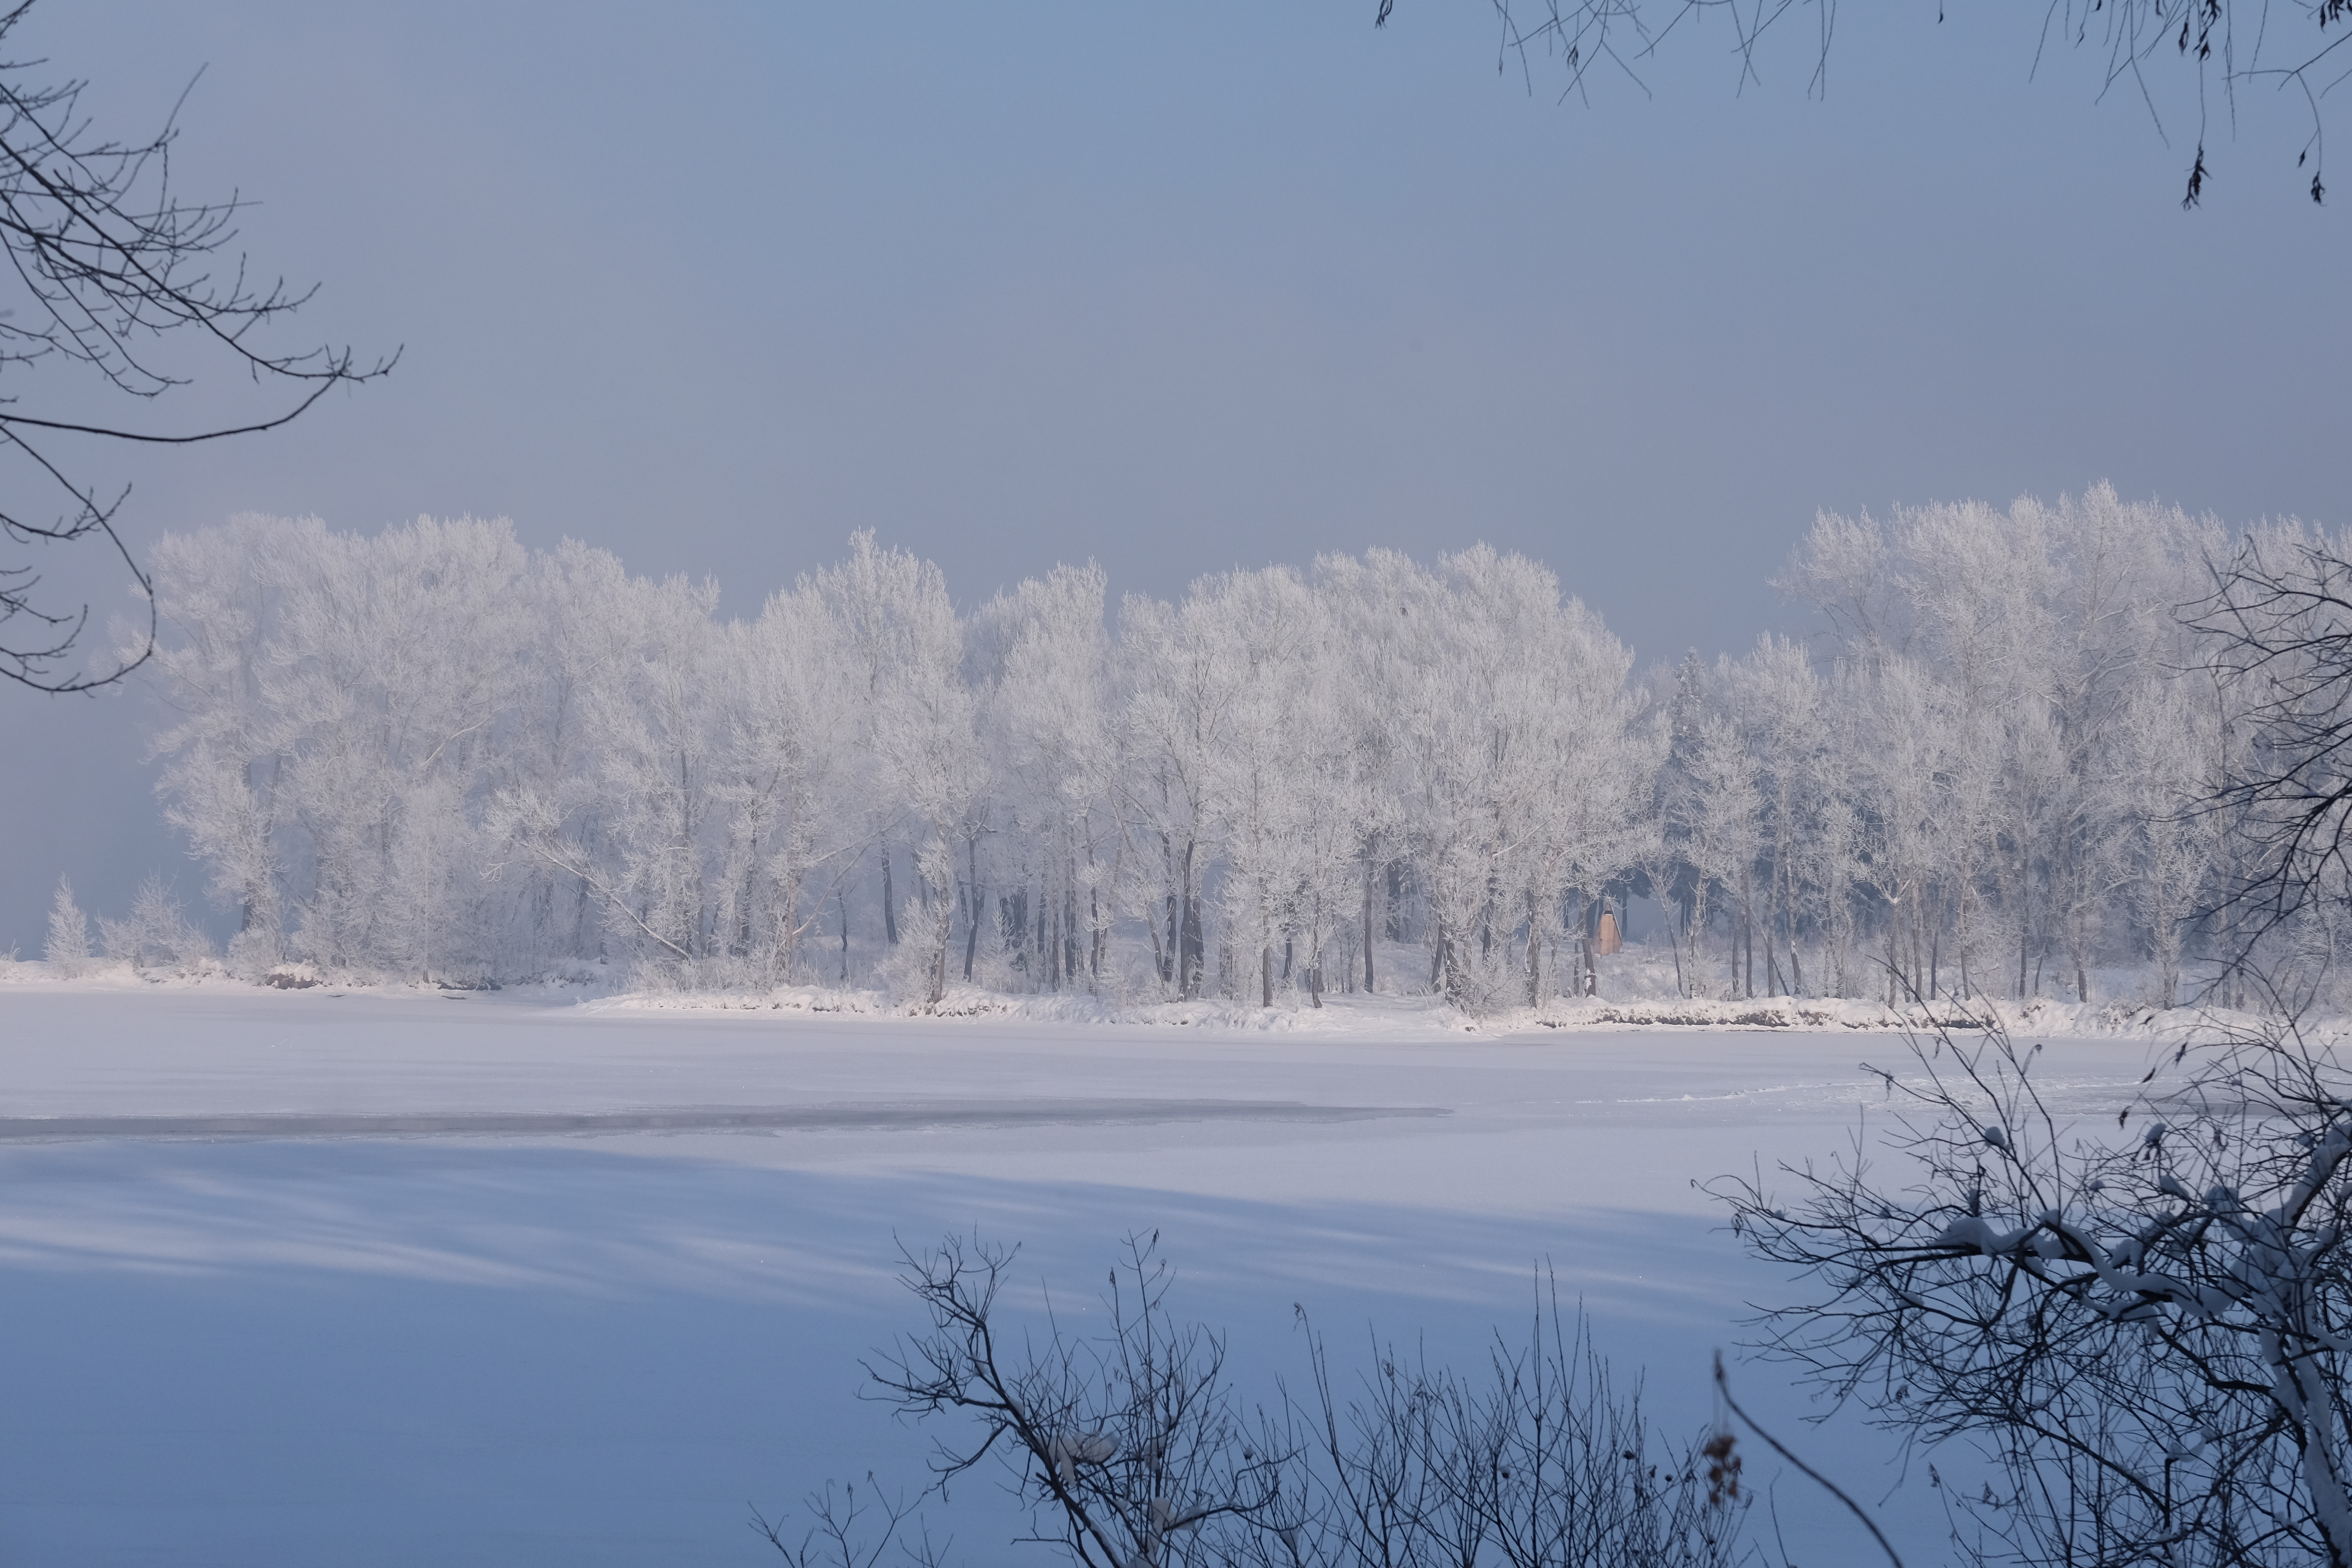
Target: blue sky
{"points": [[1179, 288]]}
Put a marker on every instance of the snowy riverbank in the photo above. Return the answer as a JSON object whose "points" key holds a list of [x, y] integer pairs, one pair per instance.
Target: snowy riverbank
{"points": [[1341, 1014]]}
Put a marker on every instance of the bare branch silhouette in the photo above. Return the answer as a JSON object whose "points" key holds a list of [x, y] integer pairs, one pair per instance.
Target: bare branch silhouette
{"points": [[115, 266]]}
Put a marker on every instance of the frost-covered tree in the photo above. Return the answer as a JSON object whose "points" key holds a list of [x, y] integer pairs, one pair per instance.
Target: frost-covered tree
{"points": [[1371, 658], [1180, 685], [2171, 755], [545, 805], [1261, 776], [790, 784], [68, 950], [225, 749], [339, 703], [905, 650], [1039, 659], [391, 663], [1515, 752], [1783, 700], [1723, 825], [157, 933]]}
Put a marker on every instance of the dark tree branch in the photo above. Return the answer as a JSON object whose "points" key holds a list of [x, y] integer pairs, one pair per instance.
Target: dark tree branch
{"points": [[2280, 627], [2147, 1335], [1723, 1387], [115, 265], [2201, 38]]}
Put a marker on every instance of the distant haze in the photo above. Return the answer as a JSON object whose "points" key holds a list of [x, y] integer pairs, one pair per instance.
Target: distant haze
{"points": [[1180, 290]]}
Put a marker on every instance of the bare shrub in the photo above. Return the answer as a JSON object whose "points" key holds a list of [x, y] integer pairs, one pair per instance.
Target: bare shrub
{"points": [[1130, 1448]]}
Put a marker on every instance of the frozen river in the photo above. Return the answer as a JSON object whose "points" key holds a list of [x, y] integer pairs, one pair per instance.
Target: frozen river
{"points": [[398, 1277]]}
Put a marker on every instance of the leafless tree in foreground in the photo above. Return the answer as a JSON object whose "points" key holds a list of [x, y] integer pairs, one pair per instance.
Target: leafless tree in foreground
{"points": [[2144, 1327], [114, 274], [1130, 1449], [1542, 1462], [2223, 46], [2280, 623]]}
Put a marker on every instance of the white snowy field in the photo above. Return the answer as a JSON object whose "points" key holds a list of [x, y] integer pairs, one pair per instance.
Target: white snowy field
{"points": [[397, 1277]]}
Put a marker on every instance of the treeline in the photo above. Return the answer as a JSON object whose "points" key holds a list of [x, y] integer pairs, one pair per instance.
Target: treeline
{"points": [[439, 754]]}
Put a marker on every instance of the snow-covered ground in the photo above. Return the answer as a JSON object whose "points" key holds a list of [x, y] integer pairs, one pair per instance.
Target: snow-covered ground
{"points": [[398, 1277]]}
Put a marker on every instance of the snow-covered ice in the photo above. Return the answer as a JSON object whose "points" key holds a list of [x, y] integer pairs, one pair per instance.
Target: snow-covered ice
{"points": [[396, 1276]]}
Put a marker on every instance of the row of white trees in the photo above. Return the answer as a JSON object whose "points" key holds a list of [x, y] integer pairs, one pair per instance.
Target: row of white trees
{"points": [[435, 752]]}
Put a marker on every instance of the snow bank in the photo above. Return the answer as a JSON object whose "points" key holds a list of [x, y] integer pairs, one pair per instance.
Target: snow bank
{"points": [[2107, 1020], [97, 974], [1427, 1017], [1410, 1016], [1416, 1017]]}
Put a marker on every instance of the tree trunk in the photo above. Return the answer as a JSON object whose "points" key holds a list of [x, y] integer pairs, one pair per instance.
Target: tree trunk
{"points": [[972, 915], [890, 903], [935, 876], [1367, 930], [1894, 951], [1535, 961], [1674, 916], [1049, 933], [1192, 950], [1789, 929], [1584, 937], [1747, 948], [1733, 983], [1266, 976], [2024, 930]]}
